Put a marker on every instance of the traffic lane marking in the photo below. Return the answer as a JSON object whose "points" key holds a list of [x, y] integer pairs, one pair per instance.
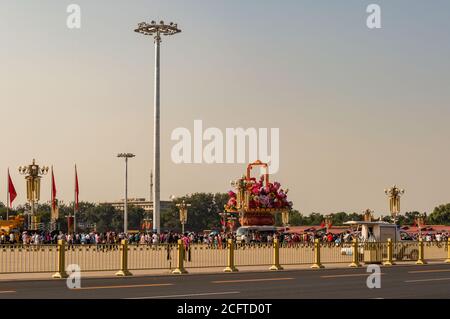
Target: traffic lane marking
{"points": [[249, 280], [122, 286], [423, 280], [349, 275], [428, 271], [188, 295]]}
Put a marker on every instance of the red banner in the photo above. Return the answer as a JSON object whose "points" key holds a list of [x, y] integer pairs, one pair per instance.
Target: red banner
{"points": [[77, 190], [53, 191], [11, 190]]}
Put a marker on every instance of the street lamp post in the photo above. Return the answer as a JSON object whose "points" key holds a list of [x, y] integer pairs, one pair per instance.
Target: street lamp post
{"points": [[183, 213], [328, 222], [157, 30], [125, 204], [394, 193], [223, 217], [285, 219], [420, 221], [368, 215], [33, 174]]}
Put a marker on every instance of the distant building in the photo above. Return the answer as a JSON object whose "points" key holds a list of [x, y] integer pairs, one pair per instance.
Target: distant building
{"points": [[146, 205]]}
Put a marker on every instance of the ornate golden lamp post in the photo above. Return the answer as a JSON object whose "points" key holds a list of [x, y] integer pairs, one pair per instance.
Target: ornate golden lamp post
{"points": [[285, 218], [368, 215], [328, 221], [420, 221], [223, 218], [33, 174], [183, 214], [147, 224], [394, 193], [232, 220]]}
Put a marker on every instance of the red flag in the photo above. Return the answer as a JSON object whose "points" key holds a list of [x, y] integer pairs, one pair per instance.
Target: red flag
{"points": [[53, 191], [11, 190], [322, 225], [77, 190]]}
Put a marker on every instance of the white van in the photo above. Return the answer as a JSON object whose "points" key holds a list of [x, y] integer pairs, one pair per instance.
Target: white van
{"points": [[244, 234]]}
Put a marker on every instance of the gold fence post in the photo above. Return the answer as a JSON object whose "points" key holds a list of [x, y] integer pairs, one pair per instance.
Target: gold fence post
{"points": [[389, 261], [420, 260], [124, 259], [276, 255], [448, 251], [180, 262], [230, 250], [61, 252], [355, 260], [317, 263]]}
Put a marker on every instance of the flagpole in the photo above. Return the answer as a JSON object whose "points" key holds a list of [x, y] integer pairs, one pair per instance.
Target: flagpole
{"points": [[51, 192], [74, 202], [53, 207], [7, 196]]}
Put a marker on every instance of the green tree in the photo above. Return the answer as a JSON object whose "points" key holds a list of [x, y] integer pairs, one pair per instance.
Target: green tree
{"points": [[202, 214], [440, 215], [295, 219]]}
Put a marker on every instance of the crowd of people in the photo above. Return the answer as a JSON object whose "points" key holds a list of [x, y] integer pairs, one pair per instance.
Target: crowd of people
{"points": [[211, 238]]}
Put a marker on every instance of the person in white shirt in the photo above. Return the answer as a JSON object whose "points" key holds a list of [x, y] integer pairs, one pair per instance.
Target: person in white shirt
{"points": [[155, 239], [438, 237]]}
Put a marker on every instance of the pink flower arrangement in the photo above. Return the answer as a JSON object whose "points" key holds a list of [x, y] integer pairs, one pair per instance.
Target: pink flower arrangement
{"points": [[262, 196]]}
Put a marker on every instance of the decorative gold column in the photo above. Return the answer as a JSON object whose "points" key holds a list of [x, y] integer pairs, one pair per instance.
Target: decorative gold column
{"points": [[389, 261], [124, 259], [420, 260], [317, 264], [276, 256], [61, 260], [230, 260], [180, 261], [355, 253], [448, 251]]}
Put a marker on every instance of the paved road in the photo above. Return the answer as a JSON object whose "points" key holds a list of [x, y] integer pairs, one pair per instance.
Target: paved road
{"points": [[429, 281]]}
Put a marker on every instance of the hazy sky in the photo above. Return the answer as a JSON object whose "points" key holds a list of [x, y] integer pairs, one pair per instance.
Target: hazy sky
{"points": [[358, 109]]}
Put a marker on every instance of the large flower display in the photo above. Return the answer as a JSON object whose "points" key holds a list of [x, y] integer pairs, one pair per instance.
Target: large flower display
{"points": [[261, 195]]}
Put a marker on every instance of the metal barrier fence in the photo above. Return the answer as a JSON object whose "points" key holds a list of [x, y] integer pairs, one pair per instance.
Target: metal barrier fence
{"points": [[254, 254], [27, 258], [93, 257], [161, 256], [204, 256], [436, 250], [296, 253], [177, 258]]}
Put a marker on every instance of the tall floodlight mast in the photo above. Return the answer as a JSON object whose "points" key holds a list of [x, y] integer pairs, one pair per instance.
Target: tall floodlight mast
{"points": [[156, 31]]}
